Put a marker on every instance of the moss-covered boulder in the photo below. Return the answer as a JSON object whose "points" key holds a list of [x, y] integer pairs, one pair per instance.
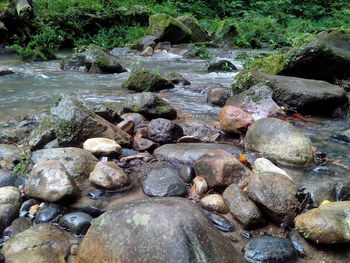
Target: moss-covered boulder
{"points": [[167, 28], [74, 123], [226, 32], [150, 106], [222, 65], [93, 60], [280, 140], [198, 33], [144, 42], [303, 95], [143, 80], [325, 56], [136, 13]]}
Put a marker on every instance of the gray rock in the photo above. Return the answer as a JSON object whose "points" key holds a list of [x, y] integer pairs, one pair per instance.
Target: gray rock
{"points": [[163, 180], [242, 208], [50, 181], [41, 243], [269, 249], [218, 95], [183, 234], [262, 165], [149, 105], [7, 178], [274, 193], [164, 131], [280, 140], [74, 123], [77, 222], [75, 160], [136, 118], [188, 153], [143, 42], [10, 154], [177, 79], [10, 202], [257, 101], [143, 144]]}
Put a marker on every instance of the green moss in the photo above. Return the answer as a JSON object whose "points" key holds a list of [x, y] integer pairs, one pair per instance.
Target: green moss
{"points": [[66, 130], [304, 39], [25, 165], [271, 64], [44, 125], [242, 82]]}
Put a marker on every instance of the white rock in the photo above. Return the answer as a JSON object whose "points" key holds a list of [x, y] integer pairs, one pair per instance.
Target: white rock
{"points": [[262, 165], [102, 146]]}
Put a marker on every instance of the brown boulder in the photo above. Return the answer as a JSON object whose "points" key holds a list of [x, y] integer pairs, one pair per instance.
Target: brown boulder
{"points": [[233, 119]]}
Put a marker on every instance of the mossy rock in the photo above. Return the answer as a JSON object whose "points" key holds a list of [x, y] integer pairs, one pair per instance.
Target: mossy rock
{"points": [[136, 13], [222, 66], [167, 28], [143, 80], [303, 95], [226, 32], [271, 64], [198, 33], [150, 106], [143, 42]]}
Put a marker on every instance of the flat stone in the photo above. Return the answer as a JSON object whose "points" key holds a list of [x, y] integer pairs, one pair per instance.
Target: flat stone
{"points": [[102, 146]]}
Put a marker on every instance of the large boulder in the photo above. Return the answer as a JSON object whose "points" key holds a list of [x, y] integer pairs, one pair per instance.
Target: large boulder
{"points": [[218, 95], [188, 153], [94, 60], [167, 28], [75, 160], [257, 101], [180, 230], [220, 169], [280, 140], [41, 243], [74, 123], [275, 194], [198, 33], [10, 202], [149, 105], [50, 181], [143, 80], [327, 224], [303, 95]]}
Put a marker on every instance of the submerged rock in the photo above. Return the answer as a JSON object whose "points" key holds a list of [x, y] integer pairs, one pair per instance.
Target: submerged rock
{"points": [[75, 160], [280, 140], [41, 243], [143, 80], [166, 28], [163, 180], [303, 95], [220, 169], [163, 131], [242, 208], [149, 105], [257, 101], [180, 230], [50, 181], [188, 153], [269, 249], [274, 193], [327, 224]]}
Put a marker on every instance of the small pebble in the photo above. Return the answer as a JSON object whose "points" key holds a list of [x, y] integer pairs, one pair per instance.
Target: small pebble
{"points": [[34, 210], [96, 194]]}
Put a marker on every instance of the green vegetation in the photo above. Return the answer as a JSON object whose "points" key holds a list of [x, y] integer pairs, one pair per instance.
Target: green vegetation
{"points": [[247, 23]]}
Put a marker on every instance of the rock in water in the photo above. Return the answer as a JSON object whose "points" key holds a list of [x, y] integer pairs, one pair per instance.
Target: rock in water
{"points": [[149, 105], [102, 146], [50, 181], [222, 66], [274, 193], [164, 131], [198, 33], [218, 95], [269, 249], [262, 165], [327, 224], [10, 202], [280, 140], [77, 222], [234, 120], [75, 160], [180, 230], [143, 80], [164, 180], [42, 243]]}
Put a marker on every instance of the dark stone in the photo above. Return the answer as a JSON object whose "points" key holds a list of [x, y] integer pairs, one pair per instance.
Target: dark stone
{"points": [[7, 178], [128, 152], [269, 249], [47, 214], [163, 180], [24, 210], [188, 153], [222, 66], [143, 144], [77, 222], [220, 222], [163, 46], [180, 230], [164, 131], [96, 194], [177, 79], [343, 136], [20, 180], [17, 226], [187, 173], [92, 211]]}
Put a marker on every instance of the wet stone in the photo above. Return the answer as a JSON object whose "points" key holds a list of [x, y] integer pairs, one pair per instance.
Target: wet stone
{"points": [[164, 131], [268, 249], [47, 214], [96, 194], [25, 207], [77, 222]]}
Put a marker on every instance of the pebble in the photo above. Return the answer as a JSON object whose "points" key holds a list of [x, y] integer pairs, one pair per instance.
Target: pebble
{"points": [[200, 186], [96, 194], [214, 202], [47, 214]]}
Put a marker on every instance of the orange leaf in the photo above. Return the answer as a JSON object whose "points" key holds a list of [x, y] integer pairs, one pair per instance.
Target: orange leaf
{"points": [[243, 158], [298, 116], [336, 161]]}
